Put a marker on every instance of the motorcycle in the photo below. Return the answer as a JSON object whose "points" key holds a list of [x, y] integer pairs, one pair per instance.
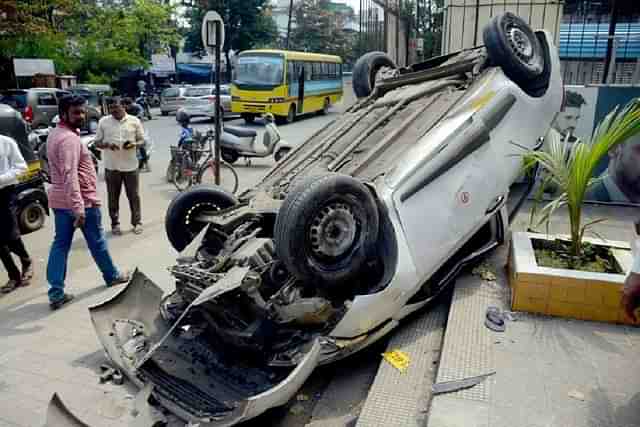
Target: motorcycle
{"points": [[238, 141], [142, 101]]}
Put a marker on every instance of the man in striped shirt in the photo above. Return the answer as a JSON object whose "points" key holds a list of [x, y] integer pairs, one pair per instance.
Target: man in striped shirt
{"points": [[74, 199]]}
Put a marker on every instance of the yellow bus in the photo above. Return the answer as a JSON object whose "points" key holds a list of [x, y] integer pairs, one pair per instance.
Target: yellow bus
{"points": [[285, 83]]}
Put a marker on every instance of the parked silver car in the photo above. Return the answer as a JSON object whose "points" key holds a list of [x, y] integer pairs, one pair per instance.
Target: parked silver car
{"points": [[172, 99], [361, 225], [200, 101]]}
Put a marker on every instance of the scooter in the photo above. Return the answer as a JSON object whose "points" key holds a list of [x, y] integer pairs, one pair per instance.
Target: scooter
{"points": [[142, 101], [238, 141]]}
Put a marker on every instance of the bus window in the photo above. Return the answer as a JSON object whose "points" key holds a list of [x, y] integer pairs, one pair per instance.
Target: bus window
{"points": [[292, 72], [308, 71], [260, 69]]}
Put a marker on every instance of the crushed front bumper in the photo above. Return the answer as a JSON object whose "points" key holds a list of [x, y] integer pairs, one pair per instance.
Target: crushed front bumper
{"points": [[198, 383]]}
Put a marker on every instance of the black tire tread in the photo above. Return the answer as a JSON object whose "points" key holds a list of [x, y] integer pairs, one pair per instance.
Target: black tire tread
{"points": [[365, 66]]}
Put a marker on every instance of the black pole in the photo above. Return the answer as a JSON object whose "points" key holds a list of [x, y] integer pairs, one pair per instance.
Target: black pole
{"points": [[217, 116], [612, 32], [289, 23]]}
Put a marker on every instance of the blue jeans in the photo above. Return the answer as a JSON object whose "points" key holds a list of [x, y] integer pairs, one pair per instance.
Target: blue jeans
{"points": [[93, 234]]}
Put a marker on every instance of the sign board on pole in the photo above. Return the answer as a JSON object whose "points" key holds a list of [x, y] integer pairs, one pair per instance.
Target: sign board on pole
{"points": [[31, 67], [208, 32], [162, 64]]}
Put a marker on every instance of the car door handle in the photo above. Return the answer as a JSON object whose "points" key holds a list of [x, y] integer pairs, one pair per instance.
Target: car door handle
{"points": [[495, 205]]}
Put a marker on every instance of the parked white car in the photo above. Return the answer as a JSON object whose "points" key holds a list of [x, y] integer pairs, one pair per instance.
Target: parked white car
{"points": [[363, 224], [200, 101]]}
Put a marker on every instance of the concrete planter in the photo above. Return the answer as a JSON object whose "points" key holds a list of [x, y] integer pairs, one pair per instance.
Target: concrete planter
{"points": [[566, 293]]}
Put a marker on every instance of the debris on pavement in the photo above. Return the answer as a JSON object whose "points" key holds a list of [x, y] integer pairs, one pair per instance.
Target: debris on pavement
{"points": [[398, 359], [108, 373], [302, 397], [575, 394], [297, 409], [485, 272], [457, 385], [494, 319]]}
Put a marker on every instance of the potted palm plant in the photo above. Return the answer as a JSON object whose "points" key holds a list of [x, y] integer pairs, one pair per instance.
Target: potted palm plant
{"points": [[572, 276]]}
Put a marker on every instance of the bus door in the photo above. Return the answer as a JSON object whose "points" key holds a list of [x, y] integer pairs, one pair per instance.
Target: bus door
{"points": [[301, 77]]}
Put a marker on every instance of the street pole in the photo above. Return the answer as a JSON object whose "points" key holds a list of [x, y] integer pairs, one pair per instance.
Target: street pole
{"points": [[612, 33], [289, 23], [217, 115]]}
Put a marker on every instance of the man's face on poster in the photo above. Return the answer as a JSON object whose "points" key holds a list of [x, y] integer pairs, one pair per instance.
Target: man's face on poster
{"points": [[624, 165], [567, 120]]}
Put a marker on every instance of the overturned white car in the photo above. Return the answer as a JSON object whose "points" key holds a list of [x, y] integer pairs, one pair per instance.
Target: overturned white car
{"points": [[363, 224]]}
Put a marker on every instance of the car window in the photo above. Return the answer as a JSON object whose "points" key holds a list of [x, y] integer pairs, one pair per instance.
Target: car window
{"points": [[198, 91], [15, 99], [46, 99], [171, 92]]}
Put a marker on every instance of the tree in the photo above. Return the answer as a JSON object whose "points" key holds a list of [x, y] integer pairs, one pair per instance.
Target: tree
{"points": [[246, 23], [320, 28]]}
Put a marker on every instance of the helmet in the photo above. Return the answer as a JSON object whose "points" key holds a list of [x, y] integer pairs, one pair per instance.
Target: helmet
{"points": [[182, 117], [268, 117]]}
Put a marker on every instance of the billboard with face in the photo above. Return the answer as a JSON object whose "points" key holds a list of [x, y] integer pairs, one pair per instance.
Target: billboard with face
{"points": [[619, 172]]}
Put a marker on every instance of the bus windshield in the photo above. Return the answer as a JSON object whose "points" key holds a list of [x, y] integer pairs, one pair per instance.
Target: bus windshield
{"points": [[260, 70]]}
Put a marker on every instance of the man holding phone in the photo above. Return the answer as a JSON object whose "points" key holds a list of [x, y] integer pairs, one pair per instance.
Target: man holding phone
{"points": [[118, 135], [73, 196]]}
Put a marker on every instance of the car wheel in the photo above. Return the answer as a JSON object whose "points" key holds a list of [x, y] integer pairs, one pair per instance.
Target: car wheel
{"points": [[513, 46], [31, 217], [229, 156], [366, 69], [281, 153], [327, 229], [181, 224]]}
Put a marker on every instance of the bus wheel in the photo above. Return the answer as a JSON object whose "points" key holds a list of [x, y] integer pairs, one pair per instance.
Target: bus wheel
{"points": [[292, 114], [325, 107], [248, 118]]}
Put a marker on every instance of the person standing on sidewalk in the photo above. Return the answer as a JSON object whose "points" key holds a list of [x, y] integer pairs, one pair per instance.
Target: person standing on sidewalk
{"points": [[631, 291], [118, 136], [74, 199], [12, 164]]}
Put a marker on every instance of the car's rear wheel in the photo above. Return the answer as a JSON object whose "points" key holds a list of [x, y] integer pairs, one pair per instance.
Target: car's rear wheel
{"points": [[181, 223], [366, 70], [327, 229], [513, 46]]}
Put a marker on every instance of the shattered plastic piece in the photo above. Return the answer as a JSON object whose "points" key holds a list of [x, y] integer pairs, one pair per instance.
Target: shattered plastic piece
{"points": [[58, 415], [457, 385], [575, 394], [398, 359], [302, 397], [485, 272]]}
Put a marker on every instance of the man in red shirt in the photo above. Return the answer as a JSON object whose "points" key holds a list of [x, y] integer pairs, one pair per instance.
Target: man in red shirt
{"points": [[74, 199]]}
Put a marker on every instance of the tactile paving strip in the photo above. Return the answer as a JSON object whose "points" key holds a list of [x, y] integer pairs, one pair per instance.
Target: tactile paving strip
{"points": [[401, 399], [467, 350]]}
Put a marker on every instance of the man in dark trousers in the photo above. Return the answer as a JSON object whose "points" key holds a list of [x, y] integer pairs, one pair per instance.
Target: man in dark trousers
{"points": [[118, 135], [73, 196], [12, 164]]}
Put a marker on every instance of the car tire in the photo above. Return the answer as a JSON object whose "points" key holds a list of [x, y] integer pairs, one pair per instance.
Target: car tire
{"points": [[229, 156], [327, 229], [31, 216], [365, 71], [282, 152], [512, 45], [180, 225]]}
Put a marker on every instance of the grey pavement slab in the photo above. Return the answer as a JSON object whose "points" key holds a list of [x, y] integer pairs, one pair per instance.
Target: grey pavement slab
{"points": [[550, 372]]}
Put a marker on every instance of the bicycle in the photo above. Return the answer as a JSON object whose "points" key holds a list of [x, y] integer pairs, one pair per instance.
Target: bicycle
{"points": [[190, 166]]}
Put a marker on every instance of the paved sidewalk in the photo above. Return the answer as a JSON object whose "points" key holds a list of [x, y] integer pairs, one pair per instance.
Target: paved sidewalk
{"points": [[42, 352], [550, 372]]}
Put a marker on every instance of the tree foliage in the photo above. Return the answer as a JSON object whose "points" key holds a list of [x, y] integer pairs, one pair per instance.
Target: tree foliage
{"points": [[95, 41], [319, 27]]}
